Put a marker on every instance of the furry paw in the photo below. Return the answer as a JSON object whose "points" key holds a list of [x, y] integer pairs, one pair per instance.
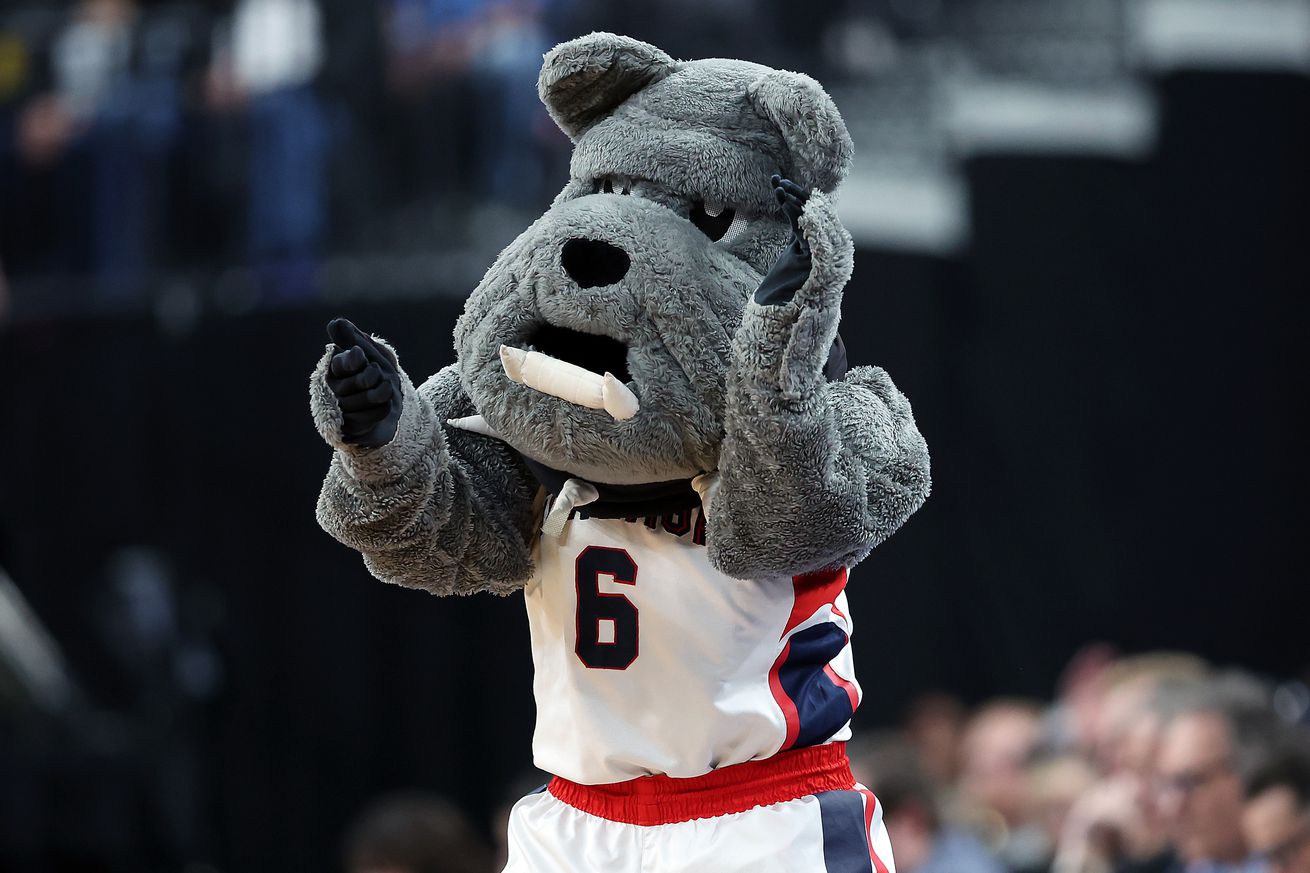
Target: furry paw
{"points": [[356, 393], [832, 253], [364, 377], [784, 346]]}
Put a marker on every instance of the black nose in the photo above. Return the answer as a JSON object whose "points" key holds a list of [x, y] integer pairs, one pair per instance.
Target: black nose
{"points": [[593, 262]]}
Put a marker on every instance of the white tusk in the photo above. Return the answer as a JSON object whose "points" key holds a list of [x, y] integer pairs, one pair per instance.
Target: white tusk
{"points": [[512, 360], [473, 424], [713, 210], [618, 399], [563, 380], [569, 382], [707, 486]]}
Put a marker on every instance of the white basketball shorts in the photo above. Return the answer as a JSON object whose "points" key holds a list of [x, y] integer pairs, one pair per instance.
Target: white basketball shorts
{"points": [[797, 812]]}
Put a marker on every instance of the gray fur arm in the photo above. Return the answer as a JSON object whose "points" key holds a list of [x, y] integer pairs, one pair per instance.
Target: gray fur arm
{"points": [[436, 508], [812, 473]]}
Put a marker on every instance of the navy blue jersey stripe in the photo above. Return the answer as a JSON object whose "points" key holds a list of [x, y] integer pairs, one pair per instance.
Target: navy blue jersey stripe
{"points": [[821, 706], [845, 843]]}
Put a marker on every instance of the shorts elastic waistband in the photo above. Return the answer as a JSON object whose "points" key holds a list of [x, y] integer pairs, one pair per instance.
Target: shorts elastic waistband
{"points": [[657, 800]]}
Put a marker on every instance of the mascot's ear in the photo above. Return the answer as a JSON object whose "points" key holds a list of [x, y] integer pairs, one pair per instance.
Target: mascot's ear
{"points": [[811, 127], [585, 79]]}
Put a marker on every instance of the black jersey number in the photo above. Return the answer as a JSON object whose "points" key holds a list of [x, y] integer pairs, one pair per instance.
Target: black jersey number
{"points": [[607, 623]]}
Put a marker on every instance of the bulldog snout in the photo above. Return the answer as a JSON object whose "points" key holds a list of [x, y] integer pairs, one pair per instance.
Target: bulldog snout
{"points": [[594, 262]]}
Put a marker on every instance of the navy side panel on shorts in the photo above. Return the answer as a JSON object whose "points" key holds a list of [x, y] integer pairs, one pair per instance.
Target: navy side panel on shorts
{"points": [[845, 843]]}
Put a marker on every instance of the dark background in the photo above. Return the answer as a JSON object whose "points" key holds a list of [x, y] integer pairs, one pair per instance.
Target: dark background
{"points": [[1112, 378]]}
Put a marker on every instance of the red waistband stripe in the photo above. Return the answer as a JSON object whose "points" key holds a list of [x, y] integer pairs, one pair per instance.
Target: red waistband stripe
{"points": [[659, 800]]}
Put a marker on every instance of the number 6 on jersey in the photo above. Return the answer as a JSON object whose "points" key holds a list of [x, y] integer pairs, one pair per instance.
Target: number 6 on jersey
{"points": [[607, 623]]}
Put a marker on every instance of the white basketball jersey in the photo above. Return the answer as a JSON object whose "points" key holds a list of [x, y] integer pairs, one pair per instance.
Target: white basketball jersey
{"points": [[650, 661]]}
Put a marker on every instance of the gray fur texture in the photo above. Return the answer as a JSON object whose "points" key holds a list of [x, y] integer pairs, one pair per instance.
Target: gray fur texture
{"points": [[436, 508], [586, 79], [812, 473]]}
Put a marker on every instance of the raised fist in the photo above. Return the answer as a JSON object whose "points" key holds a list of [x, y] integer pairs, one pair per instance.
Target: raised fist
{"points": [[364, 377]]}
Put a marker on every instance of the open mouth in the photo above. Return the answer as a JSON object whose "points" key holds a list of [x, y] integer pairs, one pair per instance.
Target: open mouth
{"points": [[584, 369], [590, 351]]}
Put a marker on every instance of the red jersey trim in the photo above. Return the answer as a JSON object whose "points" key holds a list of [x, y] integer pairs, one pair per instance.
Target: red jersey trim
{"points": [[844, 685], [660, 800], [813, 591], [790, 715]]}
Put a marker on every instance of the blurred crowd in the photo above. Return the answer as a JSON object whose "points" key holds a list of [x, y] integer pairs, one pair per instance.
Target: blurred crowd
{"points": [[151, 142], [1154, 763], [1146, 764], [137, 138]]}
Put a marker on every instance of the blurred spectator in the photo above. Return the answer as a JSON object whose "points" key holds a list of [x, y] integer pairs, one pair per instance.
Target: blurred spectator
{"points": [[1130, 687], [1081, 696], [107, 127], [414, 834], [933, 725], [1115, 823], [1218, 730], [506, 58], [995, 789], [429, 49], [1056, 784], [1276, 819], [266, 69], [44, 131], [477, 61], [922, 842]]}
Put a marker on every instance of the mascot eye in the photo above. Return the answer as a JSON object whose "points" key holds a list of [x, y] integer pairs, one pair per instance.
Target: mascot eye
{"points": [[719, 223], [712, 219]]}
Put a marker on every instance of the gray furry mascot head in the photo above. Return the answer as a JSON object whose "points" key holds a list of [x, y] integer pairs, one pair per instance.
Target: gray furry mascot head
{"points": [[665, 333]]}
